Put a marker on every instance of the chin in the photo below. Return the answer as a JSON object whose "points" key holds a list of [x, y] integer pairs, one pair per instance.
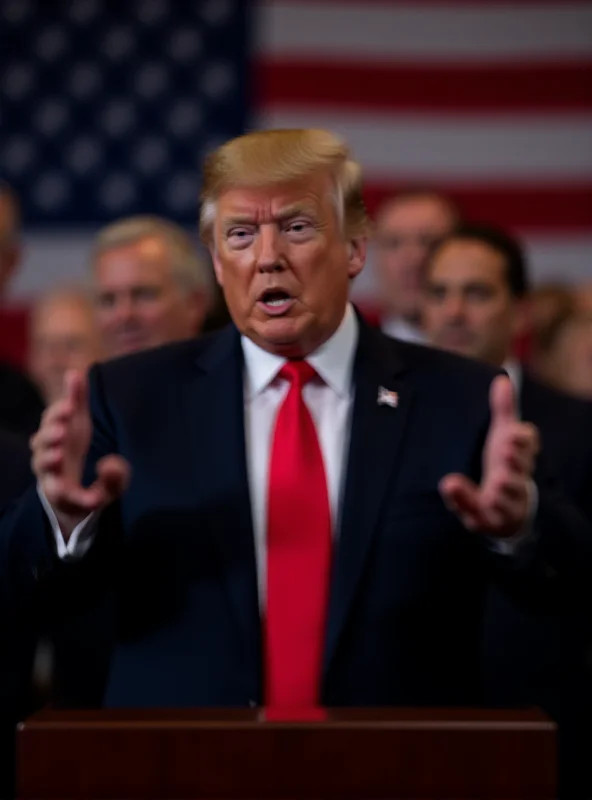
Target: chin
{"points": [[284, 336]]}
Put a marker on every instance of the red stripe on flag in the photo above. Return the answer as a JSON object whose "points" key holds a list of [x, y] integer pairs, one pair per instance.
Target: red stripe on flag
{"points": [[555, 208], [451, 88]]}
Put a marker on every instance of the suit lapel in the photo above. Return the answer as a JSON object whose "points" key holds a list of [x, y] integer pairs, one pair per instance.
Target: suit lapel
{"points": [[216, 409], [376, 436]]}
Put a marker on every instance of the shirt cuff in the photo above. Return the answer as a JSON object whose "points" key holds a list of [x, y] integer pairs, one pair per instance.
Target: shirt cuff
{"points": [[81, 538], [514, 544]]}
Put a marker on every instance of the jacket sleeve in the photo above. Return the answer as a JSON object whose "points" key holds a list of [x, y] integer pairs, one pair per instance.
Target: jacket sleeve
{"points": [[29, 562]]}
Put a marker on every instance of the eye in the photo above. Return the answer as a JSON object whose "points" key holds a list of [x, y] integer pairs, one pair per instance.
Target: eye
{"points": [[106, 300], [479, 293], [239, 237], [299, 228], [436, 293]]}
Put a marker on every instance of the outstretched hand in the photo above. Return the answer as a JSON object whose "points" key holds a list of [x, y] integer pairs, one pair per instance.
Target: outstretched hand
{"points": [[60, 447], [499, 506]]}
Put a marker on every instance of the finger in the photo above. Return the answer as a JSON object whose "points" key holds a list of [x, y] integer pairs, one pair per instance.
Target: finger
{"points": [[113, 474], [520, 461], [49, 460], [462, 497], [505, 484], [50, 435], [502, 400], [60, 411], [75, 388]]}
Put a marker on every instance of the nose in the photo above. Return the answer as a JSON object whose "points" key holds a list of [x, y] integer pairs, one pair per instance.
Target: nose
{"points": [[454, 308], [124, 308], [269, 254]]}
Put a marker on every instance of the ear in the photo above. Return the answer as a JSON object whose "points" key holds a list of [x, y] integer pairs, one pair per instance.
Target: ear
{"points": [[356, 252], [218, 271]]}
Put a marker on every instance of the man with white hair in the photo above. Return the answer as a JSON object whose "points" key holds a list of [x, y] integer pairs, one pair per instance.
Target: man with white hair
{"points": [[152, 287], [298, 509]]}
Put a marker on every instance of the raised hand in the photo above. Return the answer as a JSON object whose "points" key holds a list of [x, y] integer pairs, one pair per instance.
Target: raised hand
{"points": [[59, 449], [500, 505]]}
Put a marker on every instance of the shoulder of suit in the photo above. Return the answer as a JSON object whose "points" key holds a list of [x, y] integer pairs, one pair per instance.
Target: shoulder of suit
{"points": [[441, 364], [562, 402], [157, 360]]}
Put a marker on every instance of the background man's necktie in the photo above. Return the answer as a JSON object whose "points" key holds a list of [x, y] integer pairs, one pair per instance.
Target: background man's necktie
{"points": [[299, 552]]}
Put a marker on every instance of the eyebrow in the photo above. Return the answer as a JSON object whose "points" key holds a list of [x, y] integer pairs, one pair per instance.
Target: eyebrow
{"points": [[288, 212]]}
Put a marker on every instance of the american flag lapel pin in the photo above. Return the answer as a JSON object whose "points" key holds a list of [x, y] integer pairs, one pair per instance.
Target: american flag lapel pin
{"points": [[387, 398]]}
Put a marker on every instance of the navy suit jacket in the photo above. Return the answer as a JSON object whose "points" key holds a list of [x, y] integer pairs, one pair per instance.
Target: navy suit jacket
{"points": [[175, 557]]}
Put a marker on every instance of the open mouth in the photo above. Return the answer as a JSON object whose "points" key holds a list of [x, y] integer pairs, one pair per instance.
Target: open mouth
{"points": [[276, 301]]}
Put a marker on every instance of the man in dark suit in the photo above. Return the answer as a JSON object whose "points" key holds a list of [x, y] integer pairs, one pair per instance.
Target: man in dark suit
{"points": [[250, 557], [475, 304]]}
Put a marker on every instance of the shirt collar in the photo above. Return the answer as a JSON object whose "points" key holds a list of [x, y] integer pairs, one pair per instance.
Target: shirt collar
{"points": [[400, 328], [333, 360], [514, 370]]}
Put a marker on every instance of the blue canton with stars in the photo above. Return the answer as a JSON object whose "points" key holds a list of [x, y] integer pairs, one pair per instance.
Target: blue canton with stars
{"points": [[107, 107]]}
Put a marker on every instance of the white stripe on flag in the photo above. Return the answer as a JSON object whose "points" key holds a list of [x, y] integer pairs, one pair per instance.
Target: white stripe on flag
{"points": [[417, 31], [462, 148]]}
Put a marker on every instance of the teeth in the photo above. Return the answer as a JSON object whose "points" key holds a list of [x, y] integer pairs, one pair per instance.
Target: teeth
{"points": [[276, 303]]}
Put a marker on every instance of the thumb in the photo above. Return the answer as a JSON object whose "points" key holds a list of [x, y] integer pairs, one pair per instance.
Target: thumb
{"points": [[462, 497], [75, 388], [502, 400]]}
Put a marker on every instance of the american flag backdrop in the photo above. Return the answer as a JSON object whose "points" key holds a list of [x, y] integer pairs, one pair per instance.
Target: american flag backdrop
{"points": [[107, 108]]}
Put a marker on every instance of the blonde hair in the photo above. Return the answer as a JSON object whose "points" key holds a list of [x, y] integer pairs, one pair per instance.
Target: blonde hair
{"points": [[189, 269], [268, 157]]}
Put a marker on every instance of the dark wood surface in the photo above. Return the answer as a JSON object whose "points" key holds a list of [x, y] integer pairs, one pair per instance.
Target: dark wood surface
{"points": [[370, 754]]}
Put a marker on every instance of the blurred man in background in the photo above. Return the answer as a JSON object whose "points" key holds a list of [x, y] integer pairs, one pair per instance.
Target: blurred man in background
{"points": [[64, 335], [408, 226], [151, 285], [476, 286], [561, 319]]}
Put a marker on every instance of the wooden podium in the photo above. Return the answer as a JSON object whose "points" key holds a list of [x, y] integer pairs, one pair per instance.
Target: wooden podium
{"points": [[403, 753]]}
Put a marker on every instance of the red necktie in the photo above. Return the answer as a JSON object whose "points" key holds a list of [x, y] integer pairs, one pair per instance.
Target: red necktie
{"points": [[298, 552]]}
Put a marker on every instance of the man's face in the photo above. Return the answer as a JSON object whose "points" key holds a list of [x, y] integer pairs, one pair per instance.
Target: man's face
{"points": [[64, 336], [284, 263], [406, 231], [468, 305], [139, 301]]}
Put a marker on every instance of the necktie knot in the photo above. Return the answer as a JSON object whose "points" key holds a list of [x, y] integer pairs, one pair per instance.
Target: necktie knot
{"points": [[298, 372]]}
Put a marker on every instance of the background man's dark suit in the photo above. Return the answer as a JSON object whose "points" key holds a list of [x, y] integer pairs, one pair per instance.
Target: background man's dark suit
{"points": [[20, 403], [541, 659], [16, 653], [177, 553]]}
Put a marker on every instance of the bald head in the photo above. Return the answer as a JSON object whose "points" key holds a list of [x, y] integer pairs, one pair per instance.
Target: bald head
{"points": [[64, 336], [10, 222]]}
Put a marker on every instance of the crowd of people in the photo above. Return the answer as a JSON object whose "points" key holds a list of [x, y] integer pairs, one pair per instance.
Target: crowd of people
{"points": [[446, 283]]}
